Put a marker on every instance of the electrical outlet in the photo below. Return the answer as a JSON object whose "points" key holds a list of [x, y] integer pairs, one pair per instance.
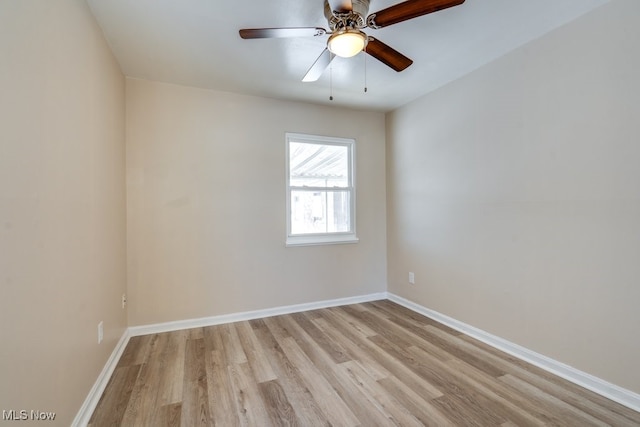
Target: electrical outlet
{"points": [[124, 300], [100, 331], [412, 278]]}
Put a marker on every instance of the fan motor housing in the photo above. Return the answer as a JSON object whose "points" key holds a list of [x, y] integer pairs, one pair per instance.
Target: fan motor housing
{"points": [[355, 18]]}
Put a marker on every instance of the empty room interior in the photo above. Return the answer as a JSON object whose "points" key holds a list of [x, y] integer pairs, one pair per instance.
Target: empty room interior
{"points": [[210, 214]]}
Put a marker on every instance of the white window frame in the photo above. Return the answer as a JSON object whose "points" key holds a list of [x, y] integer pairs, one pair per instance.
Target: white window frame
{"points": [[322, 238]]}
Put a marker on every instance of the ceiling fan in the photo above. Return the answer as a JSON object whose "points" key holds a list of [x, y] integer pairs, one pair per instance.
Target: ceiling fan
{"points": [[347, 19]]}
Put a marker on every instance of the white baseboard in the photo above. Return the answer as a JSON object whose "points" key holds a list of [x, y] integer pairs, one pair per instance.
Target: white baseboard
{"points": [[249, 315], [611, 391], [86, 410]]}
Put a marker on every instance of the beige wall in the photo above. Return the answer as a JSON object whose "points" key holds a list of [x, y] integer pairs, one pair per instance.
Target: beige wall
{"points": [[513, 194], [206, 205], [62, 205]]}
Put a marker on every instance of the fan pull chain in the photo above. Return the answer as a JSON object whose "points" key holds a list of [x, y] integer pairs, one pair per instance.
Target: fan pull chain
{"points": [[330, 82], [365, 71]]}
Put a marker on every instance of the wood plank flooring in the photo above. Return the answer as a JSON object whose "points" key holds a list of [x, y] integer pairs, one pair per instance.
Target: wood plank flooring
{"points": [[371, 364]]}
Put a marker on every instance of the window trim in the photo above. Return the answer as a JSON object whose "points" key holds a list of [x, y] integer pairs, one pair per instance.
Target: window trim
{"points": [[321, 238]]}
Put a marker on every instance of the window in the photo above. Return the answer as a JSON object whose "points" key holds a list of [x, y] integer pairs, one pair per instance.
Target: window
{"points": [[320, 190]]}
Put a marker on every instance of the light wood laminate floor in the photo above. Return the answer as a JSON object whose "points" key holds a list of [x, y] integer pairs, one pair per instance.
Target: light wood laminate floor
{"points": [[371, 364]]}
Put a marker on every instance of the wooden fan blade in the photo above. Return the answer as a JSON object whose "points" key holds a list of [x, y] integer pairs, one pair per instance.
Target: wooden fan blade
{"points": [[319, 66], [268, 33], [340, 5], [408, 10], [387, 55]]}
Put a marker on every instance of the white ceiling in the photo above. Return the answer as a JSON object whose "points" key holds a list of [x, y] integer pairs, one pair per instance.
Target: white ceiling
{"points": [[196, 43]]}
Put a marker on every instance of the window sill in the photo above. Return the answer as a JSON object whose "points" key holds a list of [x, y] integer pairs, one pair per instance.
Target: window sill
{"points": [[313, 240]]}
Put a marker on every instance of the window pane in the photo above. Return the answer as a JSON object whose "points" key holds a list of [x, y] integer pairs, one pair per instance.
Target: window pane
{"points": [[314, 212], [316, 165]]}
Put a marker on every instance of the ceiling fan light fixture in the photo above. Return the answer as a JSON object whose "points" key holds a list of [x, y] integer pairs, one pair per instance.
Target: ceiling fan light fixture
{"points": [[347, 43]]}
